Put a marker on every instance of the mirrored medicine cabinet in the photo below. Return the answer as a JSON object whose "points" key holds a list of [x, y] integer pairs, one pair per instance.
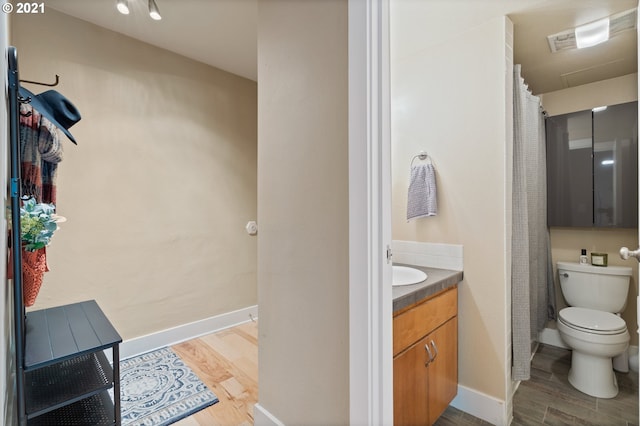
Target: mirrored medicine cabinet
{"points": [[592, 168]]}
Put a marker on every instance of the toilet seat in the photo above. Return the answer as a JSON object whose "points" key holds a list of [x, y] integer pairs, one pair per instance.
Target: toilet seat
{"points": [[592, 321]]}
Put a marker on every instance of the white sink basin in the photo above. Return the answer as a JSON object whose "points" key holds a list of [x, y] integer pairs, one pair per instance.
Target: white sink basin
{"points": [[403, 275]]}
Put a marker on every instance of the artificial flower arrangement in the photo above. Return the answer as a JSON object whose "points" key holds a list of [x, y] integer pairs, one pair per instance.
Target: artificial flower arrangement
{"points": [[38, 222]]}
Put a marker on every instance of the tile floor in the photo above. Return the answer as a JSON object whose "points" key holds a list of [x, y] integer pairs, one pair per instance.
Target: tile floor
{"points": [[548, 398]]}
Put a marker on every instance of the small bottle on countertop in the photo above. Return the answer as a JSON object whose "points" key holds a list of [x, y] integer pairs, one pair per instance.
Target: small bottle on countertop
{"points": [[584, 260]]}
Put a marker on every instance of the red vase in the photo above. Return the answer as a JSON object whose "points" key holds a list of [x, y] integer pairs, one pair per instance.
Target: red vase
{"points": [[34, 265]]}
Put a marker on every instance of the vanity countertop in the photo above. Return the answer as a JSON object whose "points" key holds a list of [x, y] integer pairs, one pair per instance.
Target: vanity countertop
{"points": [[437, 280]]}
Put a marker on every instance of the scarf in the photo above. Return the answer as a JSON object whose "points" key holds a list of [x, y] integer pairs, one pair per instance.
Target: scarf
{"points": [[41, 151]]}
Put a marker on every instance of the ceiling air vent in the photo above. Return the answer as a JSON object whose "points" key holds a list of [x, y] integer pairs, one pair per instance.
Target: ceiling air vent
{"points": [[618, 23]]}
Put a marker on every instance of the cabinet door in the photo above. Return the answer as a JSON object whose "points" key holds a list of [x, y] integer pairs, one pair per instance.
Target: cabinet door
{"points": [[569, 175], [615, 166], [592, 168], [443, 371], [410, 386]]}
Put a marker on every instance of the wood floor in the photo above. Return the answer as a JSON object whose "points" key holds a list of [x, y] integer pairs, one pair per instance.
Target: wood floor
{"points": [[548, 398], [227, 362]]}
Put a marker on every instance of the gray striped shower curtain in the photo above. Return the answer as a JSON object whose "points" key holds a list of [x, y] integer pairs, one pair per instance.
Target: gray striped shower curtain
{"points": [[532, 288]]}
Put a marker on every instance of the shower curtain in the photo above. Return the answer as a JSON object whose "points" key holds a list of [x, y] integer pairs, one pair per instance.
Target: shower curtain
{"points": [[532, 288]]}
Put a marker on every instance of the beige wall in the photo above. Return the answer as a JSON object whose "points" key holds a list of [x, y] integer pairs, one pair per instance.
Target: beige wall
{"points": [[456, 112], [162, 181], [303, 206], [567, 242], [606, 92]]}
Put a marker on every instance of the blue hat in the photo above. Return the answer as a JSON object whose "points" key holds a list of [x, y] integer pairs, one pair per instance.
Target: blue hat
{"points": [[56, 108]]}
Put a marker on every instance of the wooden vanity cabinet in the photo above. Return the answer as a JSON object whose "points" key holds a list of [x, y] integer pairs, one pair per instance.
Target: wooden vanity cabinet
{"points": [[425, 363]]}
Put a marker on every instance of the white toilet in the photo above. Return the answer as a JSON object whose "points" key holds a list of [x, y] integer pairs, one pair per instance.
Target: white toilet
{"points": [[590, 326]]}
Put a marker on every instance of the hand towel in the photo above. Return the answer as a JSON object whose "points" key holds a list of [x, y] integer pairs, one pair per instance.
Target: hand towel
{"points": [[421, 200]]}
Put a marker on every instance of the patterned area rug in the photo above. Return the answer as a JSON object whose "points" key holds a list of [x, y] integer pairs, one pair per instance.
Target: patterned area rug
{"points": [[158, 389]]}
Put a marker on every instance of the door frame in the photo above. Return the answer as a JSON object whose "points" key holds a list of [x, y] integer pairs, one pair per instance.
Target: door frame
{"points": [[638, 72], [370, 295]]}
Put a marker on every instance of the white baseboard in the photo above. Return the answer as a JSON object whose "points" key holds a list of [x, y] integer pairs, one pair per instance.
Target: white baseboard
{"points": [[172, 336], [468, 400], [262, 417], [481, 405]]}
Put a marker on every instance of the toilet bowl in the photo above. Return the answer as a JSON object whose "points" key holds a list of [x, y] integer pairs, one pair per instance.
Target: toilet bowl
{"points": [[595, 337], [590, 326]]}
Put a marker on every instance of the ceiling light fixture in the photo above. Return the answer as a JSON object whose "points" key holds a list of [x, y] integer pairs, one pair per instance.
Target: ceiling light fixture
{"points": [[598, 109], [123, 6], [592, 34], [619, 23], [153, 10]]}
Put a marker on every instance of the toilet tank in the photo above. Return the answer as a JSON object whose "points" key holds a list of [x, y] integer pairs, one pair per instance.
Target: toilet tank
{"points": [[594, 287]]}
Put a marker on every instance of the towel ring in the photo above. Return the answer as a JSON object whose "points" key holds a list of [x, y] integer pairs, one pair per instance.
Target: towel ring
{"points": [[422, 156]]}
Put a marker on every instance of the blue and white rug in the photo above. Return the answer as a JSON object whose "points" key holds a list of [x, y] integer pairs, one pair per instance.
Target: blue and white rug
{"points": [[157, 389]]}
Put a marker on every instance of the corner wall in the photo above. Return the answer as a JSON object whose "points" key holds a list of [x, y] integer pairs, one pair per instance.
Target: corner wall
{"points": [[161, 184], [303, 205]]}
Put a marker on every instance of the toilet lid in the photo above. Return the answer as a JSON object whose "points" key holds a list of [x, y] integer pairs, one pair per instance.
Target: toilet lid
{"points": [[592, 321]]}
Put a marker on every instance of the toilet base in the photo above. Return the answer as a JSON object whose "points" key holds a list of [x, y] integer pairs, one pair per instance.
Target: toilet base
{"points": [[593, 375]]}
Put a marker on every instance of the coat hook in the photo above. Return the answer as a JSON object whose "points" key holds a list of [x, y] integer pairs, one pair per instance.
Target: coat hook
{"points": [[43, 84]]}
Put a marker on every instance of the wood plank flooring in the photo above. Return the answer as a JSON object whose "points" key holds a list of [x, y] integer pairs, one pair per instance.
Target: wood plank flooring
{"points": [[548, 398], [227, 362], [454, 417]]}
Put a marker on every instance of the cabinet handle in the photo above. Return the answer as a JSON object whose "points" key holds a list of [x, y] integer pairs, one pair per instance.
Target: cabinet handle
{"points": [[426, 347], [435, 349]]}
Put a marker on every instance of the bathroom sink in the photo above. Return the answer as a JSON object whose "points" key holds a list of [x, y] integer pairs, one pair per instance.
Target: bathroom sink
{"points": [[403, 275]]}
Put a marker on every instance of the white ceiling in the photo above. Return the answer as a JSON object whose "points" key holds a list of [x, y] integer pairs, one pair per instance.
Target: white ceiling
{"points": [[223, 33]]}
